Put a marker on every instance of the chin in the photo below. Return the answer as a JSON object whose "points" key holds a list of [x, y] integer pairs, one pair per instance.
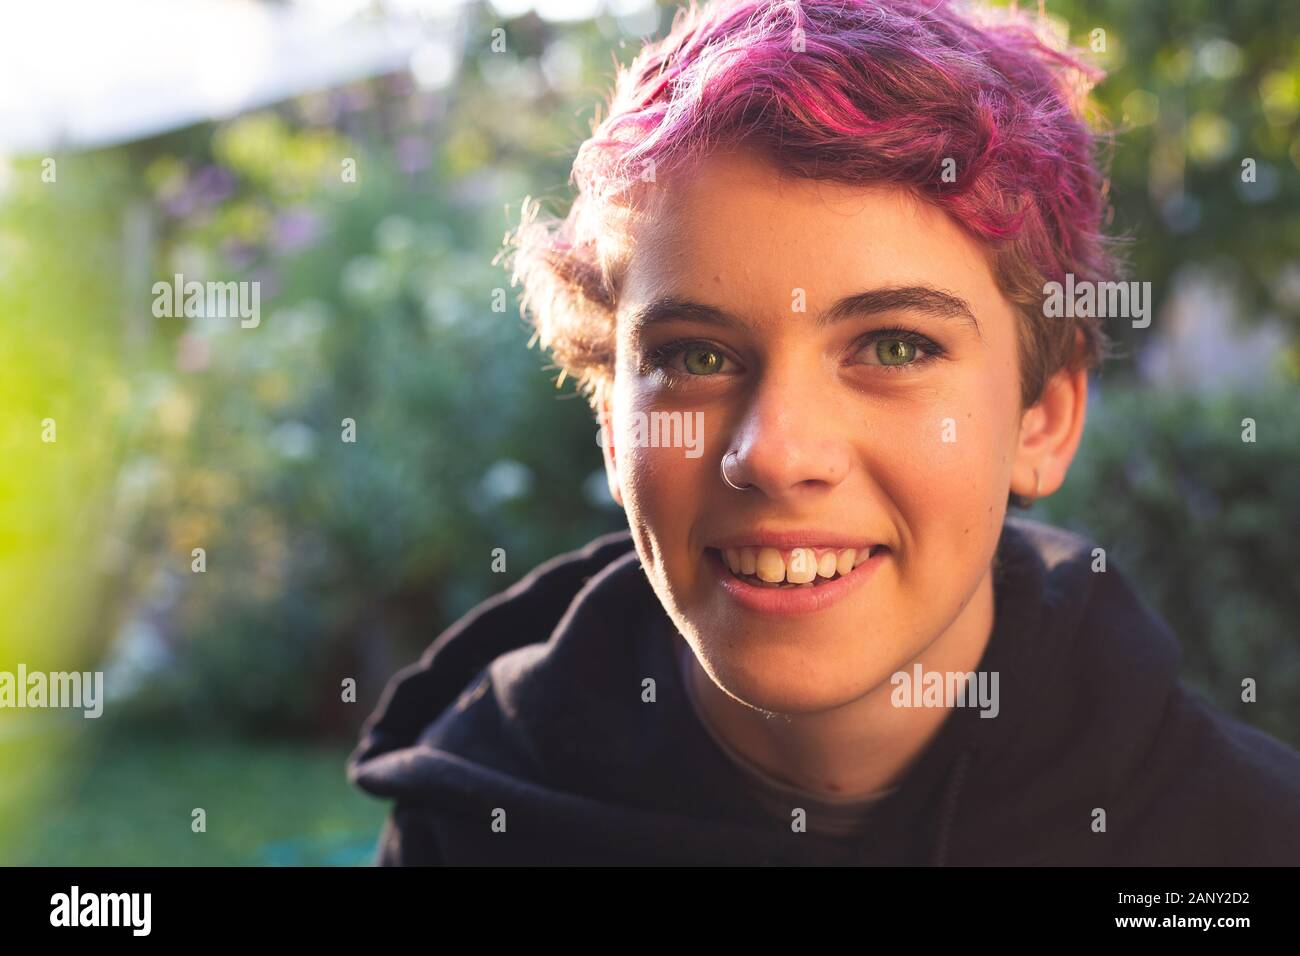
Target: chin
{"points": [[784, 674]]}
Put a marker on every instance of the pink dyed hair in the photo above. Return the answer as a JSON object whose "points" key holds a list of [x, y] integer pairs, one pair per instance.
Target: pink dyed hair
{"points": [[860, 92]]}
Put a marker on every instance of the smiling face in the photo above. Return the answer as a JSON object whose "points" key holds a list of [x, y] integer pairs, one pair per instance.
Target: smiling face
{"points": [[850, 352]]}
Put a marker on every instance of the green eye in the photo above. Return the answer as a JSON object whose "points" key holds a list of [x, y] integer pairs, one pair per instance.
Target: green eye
{"points": [[895, 352], [702, 361]]}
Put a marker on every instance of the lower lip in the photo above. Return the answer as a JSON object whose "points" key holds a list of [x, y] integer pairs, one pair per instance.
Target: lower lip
{"points": [[790, 601]]}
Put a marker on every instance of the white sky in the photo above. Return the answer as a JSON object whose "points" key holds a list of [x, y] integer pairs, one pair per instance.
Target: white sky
{"points": [[82, 73]]}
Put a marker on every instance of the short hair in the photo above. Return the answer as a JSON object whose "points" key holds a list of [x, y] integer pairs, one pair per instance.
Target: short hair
{"points": [[860, 92]]}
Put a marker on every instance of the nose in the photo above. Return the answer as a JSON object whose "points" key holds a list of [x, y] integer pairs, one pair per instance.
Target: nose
{"points": [[788, 444]]}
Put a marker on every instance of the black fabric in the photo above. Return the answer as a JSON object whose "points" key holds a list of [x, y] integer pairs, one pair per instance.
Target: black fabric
{"points": [[529, 711]]}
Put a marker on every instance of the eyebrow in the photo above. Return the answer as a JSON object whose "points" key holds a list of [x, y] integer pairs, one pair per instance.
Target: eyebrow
{"points": [[912, 298]]}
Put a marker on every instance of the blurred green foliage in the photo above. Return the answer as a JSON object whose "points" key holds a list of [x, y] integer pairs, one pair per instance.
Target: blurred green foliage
{"points": [[1194, 88], [351, 464], [1203, 524]]}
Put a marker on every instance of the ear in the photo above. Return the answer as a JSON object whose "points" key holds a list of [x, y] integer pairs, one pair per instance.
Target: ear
{"points": [[606, 420], [1050, 432]]}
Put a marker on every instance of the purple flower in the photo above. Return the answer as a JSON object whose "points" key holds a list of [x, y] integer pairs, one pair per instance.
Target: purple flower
{"points": [[212, 185], [352, 99], [179, 205], [240, 255], [208, 187], [413, 154], [295, 229]]}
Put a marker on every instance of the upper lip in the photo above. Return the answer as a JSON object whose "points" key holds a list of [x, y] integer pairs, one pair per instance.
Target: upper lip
{"points": [[783, 540]]}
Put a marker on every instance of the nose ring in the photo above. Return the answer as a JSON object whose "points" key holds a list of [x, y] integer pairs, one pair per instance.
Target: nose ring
{"points": [[728, 480]]}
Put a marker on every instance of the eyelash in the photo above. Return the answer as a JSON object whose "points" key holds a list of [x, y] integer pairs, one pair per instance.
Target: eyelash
{"points": [[928, 349], [659, 358]]}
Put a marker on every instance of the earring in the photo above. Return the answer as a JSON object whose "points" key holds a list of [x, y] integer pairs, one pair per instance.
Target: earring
{"points": [[1037, 488], [728, 480], [1026, 501]]}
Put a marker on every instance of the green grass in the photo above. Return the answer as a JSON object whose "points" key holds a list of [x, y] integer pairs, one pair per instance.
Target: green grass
{"points": [[128, 801]]}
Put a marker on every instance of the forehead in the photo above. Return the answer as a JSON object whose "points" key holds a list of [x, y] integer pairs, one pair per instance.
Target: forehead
{"points": [[732, 230]]}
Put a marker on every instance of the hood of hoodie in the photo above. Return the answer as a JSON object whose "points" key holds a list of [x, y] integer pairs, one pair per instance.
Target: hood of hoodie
{"points": [[533, 708]]}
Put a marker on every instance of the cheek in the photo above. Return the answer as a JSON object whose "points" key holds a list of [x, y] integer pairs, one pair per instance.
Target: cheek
{"points": [[663, 487], [655, 478], [667, 452], [944, 466]]}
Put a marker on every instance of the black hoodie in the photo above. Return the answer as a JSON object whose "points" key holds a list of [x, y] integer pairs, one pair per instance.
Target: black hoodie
{"points": [[522, 737]]}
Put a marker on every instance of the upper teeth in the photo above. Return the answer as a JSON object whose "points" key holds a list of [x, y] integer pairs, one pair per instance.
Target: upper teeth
{"points": [[796, 566]]}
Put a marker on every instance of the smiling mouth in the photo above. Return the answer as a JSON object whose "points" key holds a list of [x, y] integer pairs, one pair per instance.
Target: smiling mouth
{"points": [[794, 567]]}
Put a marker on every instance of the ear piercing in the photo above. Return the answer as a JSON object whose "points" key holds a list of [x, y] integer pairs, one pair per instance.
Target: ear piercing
{"points": [[1037, 489]]}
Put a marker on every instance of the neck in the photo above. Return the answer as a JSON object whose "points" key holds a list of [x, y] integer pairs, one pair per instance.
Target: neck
{"points": [[860, 747]]}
